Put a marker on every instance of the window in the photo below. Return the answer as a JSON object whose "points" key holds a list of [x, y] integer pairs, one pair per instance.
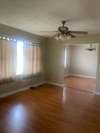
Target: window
{"points": [[37, 66], [19, 70], [17, 58], [7, 60], [32, 60]]}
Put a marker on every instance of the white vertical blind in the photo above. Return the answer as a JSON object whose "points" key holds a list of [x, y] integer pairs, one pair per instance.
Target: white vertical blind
{"points": [[7, 59]]}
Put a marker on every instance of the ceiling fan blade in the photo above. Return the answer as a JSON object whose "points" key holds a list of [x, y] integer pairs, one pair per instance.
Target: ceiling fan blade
{"points": [[70, 34], [79, 32], [73, 36], [46, 31]]}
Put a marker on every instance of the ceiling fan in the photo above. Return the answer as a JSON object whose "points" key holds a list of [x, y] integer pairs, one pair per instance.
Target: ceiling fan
{"points": [[64, 32]]}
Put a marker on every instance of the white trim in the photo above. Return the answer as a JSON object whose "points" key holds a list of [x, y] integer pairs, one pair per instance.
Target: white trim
{"points": [[97, 93], [13, 92], [56, 84], [22, 89], [38, 84], [80, 75]]}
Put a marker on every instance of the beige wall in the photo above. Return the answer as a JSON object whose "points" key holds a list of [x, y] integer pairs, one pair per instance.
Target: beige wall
{"points": [[82, 61], [55, 61], [55, 57]]}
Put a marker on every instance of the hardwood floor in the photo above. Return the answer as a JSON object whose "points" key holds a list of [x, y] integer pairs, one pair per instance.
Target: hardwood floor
{"points": [[84, 84], [50, 109]]}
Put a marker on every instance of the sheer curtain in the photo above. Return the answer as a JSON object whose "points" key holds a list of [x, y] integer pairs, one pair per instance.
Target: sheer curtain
{"points": [[7, 60], [32, 60], [37, 60]]}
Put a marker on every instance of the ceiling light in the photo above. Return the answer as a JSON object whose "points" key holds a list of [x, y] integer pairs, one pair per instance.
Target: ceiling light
{"points": [[56, 37], [4, 38], [8, 38], [91, 48], [63, 32], [62, 37], [68, 37]]}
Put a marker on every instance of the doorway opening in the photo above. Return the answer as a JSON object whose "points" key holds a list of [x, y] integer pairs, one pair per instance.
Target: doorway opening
{"points": [[80, 65]]}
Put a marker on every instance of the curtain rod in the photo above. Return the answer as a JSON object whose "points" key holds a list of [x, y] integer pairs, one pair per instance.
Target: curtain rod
{"points": [[2, 37]]}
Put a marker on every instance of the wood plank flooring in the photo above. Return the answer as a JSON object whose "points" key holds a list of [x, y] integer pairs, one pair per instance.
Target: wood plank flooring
{"points": [[84, 84], [50, 109]]}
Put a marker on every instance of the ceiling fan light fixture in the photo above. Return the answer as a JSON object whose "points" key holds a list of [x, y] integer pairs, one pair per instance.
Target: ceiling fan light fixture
{"points": [[57, 37], [91, 48], [68, 37], [61, 37]]}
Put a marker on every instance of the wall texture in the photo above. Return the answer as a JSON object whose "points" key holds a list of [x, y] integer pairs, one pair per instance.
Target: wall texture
{"points": [[83, 62], [55, 61], [15, 86]]}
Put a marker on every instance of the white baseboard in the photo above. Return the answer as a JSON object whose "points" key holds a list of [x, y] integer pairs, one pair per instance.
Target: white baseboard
{"points": [[80, 75], [27, 87], [38, 84], [56, 84], [22, 89]]}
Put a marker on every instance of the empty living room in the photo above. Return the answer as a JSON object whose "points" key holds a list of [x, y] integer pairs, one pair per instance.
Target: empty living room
{"points": [[49, 66]]}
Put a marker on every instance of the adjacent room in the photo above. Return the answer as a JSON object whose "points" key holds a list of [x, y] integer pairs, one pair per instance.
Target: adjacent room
{"points": [[81, 66], [49, 66]]}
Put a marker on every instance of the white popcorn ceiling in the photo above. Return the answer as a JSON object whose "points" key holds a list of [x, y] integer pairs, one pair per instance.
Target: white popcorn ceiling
{"points": [[42, 16]]}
